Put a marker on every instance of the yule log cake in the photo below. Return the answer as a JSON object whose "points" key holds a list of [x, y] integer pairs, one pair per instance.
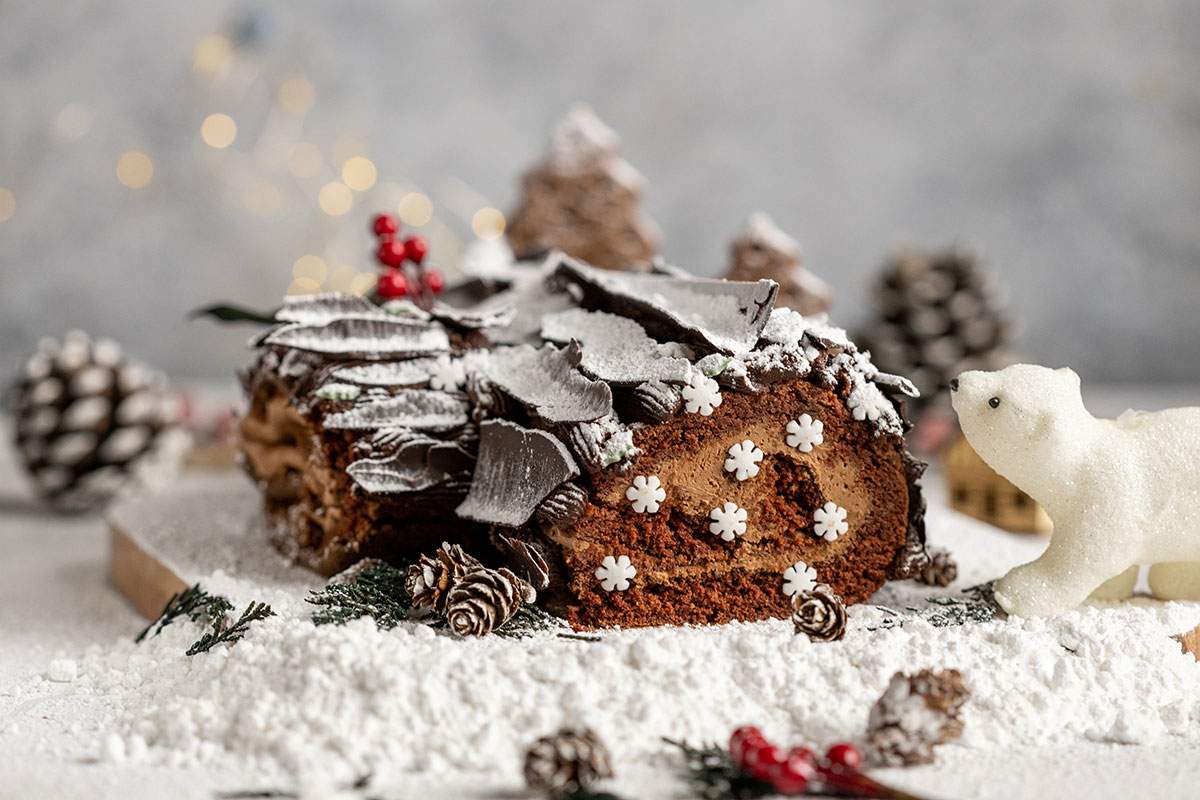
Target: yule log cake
{"points": [[648, 448]]}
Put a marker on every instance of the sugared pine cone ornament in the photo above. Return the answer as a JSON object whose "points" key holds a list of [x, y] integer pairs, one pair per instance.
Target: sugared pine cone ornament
{"points": [[483, 599], [914, 715], [90, 422], [430, 580], [940, 570], [657, 401], [566, 762], [820, 614], [563, 506]]}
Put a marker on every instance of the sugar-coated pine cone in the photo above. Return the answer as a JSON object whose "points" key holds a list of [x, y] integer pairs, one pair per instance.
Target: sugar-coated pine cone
{"points": [[914, 715], [566, 762], [563, 506], [483, 599], [940, 570], [430, 580], [657, 401], [90, 422], [819, 614]]}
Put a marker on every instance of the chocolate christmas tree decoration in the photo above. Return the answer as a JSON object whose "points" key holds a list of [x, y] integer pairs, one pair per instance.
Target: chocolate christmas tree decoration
{"points": [[547, 383], [615, 349], [420, 409], [723, 315], [517, 468], [584, 199], [363, 337], [764, 251]]}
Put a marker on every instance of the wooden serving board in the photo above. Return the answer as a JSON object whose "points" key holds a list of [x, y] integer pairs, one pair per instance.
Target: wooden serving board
{"points": [[142, 577]]}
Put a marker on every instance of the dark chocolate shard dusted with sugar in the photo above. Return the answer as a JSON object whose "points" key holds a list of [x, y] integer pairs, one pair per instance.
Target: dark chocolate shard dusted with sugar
{"points": [[722, 315], [615, 349], [319, 309], [423, 410], [517, 468], [408, 470], [548, 384], [413, 372], [364, 337], [473, 319]]}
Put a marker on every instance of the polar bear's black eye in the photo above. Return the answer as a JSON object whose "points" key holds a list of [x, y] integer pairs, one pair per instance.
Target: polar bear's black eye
{"points": [[994, 402]]}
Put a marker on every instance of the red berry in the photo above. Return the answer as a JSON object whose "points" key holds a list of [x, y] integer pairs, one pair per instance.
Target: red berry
{"points": [[390, 253], [392, 284], [385, 225], [433, 281], [415, 247], [761, 761], [794, 774], [845, 754], [742, 737]]}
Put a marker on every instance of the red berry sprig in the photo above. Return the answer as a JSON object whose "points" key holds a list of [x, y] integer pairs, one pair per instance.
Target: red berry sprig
{"points": [[799, 770], [393, 254]]}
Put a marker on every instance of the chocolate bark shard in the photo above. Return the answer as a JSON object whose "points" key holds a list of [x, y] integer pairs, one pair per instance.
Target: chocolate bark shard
{"points": [[413, 372], [517, 468], [423, 410], [320, 309], [548, 384], [615, 349], [408, 470], [722, 315], [477, 318], [364, 337]]}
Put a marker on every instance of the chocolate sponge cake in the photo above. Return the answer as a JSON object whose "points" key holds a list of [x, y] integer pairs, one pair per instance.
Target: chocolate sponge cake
{"points": [[665, 449]]}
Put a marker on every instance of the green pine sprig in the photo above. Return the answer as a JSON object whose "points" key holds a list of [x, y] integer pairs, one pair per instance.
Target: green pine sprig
{"points": [[194, 603], [230, 312], [224, 633], [376, 591], [712, 774]]}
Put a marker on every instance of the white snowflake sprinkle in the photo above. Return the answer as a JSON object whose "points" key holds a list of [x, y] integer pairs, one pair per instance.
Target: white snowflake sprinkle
{"points": [[867, 402], [805, 433], [829, 521], [799, 577], [614, 574], [701, 395], [646, 494], [743, 460], [728, 521], [448, 375]]}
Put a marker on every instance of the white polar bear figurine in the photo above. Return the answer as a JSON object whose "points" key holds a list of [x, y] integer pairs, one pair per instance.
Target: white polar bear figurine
{"points": [[1121, 492]]}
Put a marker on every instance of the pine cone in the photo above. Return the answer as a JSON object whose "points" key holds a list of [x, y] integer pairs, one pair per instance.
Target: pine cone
{"points": [[564, 505], [566, 762], [915, 714], [483, 599], [89, 421], [657, 401], [819, 614], [940, 570], [430, 580], [937, 315]]}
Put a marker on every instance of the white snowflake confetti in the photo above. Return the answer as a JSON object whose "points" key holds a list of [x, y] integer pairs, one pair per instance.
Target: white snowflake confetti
{"points": [[799, 577], [728, 521], [701, 395], [867, 402], [743, 460], [614, 574], [448, 375], [829, 521], [646, 494], [805, 433]]}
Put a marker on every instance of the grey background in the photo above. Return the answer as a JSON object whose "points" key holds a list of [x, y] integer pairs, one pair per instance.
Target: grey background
{"points": [[1061, 139]]}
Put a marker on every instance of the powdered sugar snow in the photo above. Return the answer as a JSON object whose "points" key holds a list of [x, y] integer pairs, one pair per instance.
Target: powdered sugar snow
{"points": [[352, 699]]}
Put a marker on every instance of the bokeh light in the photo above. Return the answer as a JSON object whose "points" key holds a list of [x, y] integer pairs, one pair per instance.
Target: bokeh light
{"points": [[335, 198], [488, 223], [363, 282], [415, 209], [311, 267], [359, 173], [135, 170], [304, 286], [296, 96], [72, 122], [218, 130], [346, 147], [212, 54]]}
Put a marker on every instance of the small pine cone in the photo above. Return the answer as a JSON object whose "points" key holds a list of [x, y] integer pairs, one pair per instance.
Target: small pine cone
{"points": [[564, 505], [819, 614], [911, 561], [914, 715], [657, 401], [430, 580], [483, 599], [566, 762], [585, 442], [89, 422], [941, 569]]}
